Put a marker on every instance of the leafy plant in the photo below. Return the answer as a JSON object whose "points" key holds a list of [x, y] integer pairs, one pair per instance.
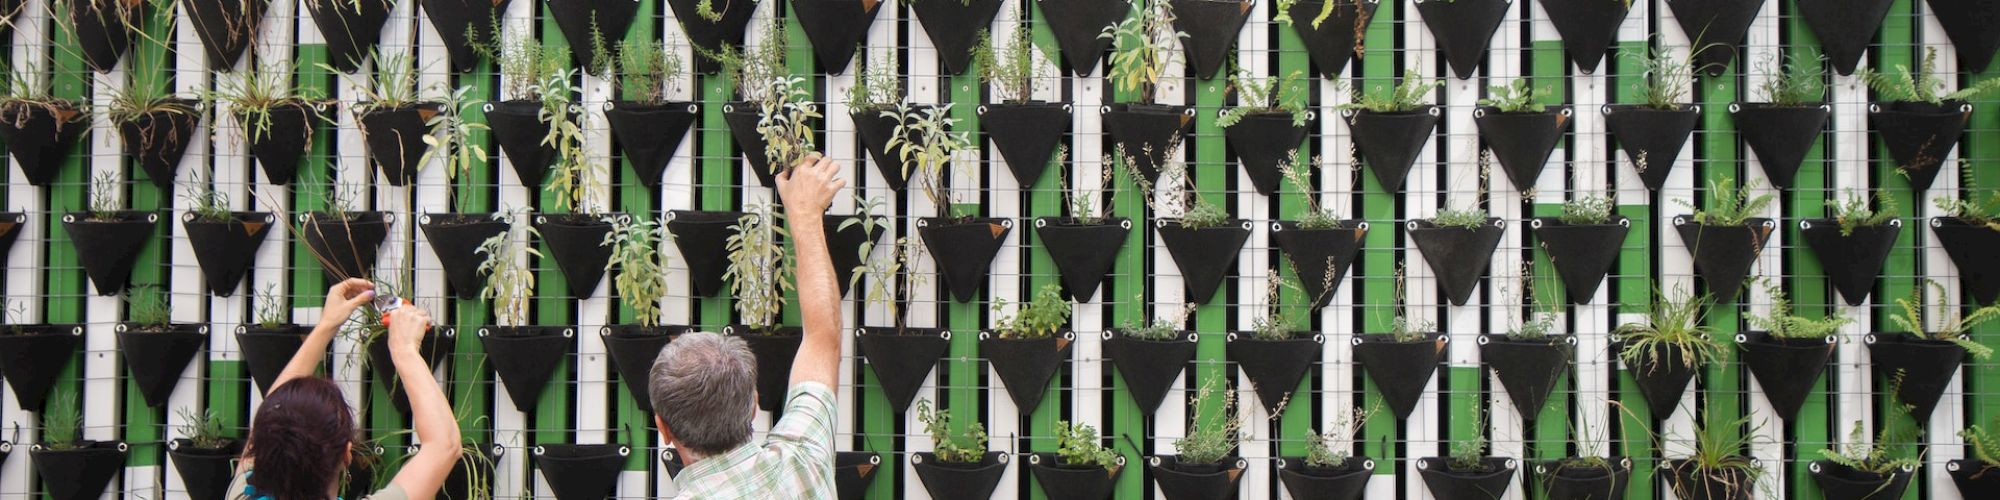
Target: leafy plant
{"points": [[649, 70], [1971, 209], [760, 267], [1077, 445], [1266, 95], [450, 139], [62, 423], [1949, 325], [1276, 323], [1869, 457], [1319, 448], [1299, 174], [271, 310], [575, 172], [1142, 48], [886, 281], [1011, 71], [786, 124], [968, 447], [753, 71], [1212, 436], [925, 144], [1588, 210], [1731, 207], [147, 309], [1469, 454], [1038, 319], [1085, 205], [1666, 80], [1468, 218], [877, 85], [1515, 97], [510, 278], [1781, 323], [1922, 85], [1410, 95], [640, 277], [1196, 211], [204, 429], [1984, 444], [1800, 81], [1675, 321]]}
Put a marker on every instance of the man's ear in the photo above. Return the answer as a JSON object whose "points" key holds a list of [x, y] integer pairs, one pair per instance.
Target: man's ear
{"points": [[666, 434]]}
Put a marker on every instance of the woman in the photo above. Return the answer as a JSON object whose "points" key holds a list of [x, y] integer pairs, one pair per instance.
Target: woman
{"points": [[302, 435]]}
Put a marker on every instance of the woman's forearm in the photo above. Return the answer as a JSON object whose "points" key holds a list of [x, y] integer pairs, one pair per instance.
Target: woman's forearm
{"points": [[430, 412]]}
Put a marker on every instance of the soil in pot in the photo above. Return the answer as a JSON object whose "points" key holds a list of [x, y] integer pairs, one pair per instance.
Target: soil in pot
{"points": [[266, 350], [835, 28], [1275, 367], [436, 348], [518, 127], [351, 29], [581, 471], [650, 134], [1925, 366], [525, 357], [1321, 257], [79, 473], [159, 138], [1651, 138], [155, 356], [953, 480], [395, 138], [104, 29], [876, 130], [1528, 368], [1522, 142], [1582, 254], [1083, 253], [345, 248], [1026, 366], [226, 28], [775, 351], [1078, 25], [1400, 370], [1149, 367], [1968, 23], [1144, 133], [1025, 134], [1204, 255], [41, 137], [1966, 244], [1208, 31], [582, 21], [1183, 481], [1262, 141], [709, 35], [1490, 480], [1723, 255], [225, 248], [1779, 135], [1662, 378], [1689, 482], [204, 472], [633, 349], [1332, 42], [456, 239], [108, 245], [1720, 25], [1573, 479], [33, 356], [1347, 481], [964, 250], [280, 135], [1587, 28], [902, 360], [576, 242], [1852, 262], [853, 471], [703, 239], [1788, 369], [954, 28], [1463, 28], [843, 245], [1844, 28], [1059, 481], [461, 23], [1840, 482], [1974, 478], [1459, 256], [1389, 142], [742, 118]]}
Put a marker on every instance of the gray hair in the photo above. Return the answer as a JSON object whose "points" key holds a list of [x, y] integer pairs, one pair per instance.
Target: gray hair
{"points": [[703, 386]]}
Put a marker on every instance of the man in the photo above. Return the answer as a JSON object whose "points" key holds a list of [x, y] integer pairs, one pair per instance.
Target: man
{"points": [[703, 385]]}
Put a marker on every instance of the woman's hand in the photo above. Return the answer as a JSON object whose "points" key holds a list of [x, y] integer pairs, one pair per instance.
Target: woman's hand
{"points": [[345, 297], [407, 326]]}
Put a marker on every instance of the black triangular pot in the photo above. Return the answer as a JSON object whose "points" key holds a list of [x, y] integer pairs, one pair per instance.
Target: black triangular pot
{"points": [[1463, 29], [1025, 134], [576, 242], [1582, 254], [1274, 367], [204, 472], [1026, 366], [1523, 141], [266, 351], [1973, 477], [1656, 135], [775, 352], [1389, 142], [712, 35], [1400, 370], [1840, 482], [835, 28], [948, 480], [581, 471], [877, 127], [1844, 28], [1780, 135], [80, 473], [1853, 262], [1563, 481], [742, 119], [1718, 26], [1445, 483], [1262, 141], [1196, 481], [107, 248], [1787, 369], [902, 360], [345, 248], [581, 20], [703, 239], [226, 28], [853, 471], [41, 138], [954, 28], [1925, 367], [456, 239], [288, 130], [525, 357], [1690, 482], [1065, 482], [10, 230], [1968, 23], [224, 249], [155, 358], [1528, 369], [32, 358], [395, 138], [1207, 29], [1967, 245], [1144, 132], [1320, 257], [158, 139], [463, 23], [1661, 379], [671, 462], [518, 127], [1149, 367], [351, 28], [472, 472], [436, 348], [964, 250], [1205, 255], [1347, 482], [633, 349], [1083, 253], [1587, 28], [1723, 255], [1459, 256], [1332, 42], [104, 29], [1078, 24], [650, 134], [1919, 135], [843, 246]]}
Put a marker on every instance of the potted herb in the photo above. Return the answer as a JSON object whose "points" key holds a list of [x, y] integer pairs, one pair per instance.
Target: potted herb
{"points": [[1203, 466], [1520, 131], [1208, 31], [1144, 130], [1865, 470], [1463, 29], [1854, 244], [958, 464], [1726, 237], [226, 28], [1784, 128], [352, 29], [1403, 360], [1587, 28], [1927, 354], [1969, 228], [1077, 24], [1469, 472], [1268, 122], [205, 455], [1279, 348], [902, 356], [462, 24], [878, 108], [1390, 128], [71, 467], [641, 283], [1917, 119], [1085, 244], [786, 127], [1027, 347], [1332, 30], [538, 96], [1978, 476], [1025, 131], [1326, 472], [772, 106], [1963, 24], [1531, 357], [154, 127], [1666, 352], [344, 241], [586, 24], [107, 238], [760, 272], [1203, 240], [104, 29], [394, 122], [1080, 469], [713, 26], [703, 238], [523, 355], [32, 356], [1725, 20], [1787, 352], [581, 470], [155, 348], [955, 27], [1582, 243], [1716, 468], [836, 28], [1458, 244], [278, 121], [1150, 357], [41, 130], [851, 238], [270, 339], [1587, 475], [648, 126], [963, 245], [1652, 133], [224, 241]]}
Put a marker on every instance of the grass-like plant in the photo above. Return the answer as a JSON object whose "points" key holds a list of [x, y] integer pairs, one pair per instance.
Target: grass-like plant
{"points": [[27, 86], [1921, 85], [1949, 325], [1320, 451], [1211, 436], [640, 277], [1142, 47], [1800, 81], [1516, 97], [1588, 210], [203, 429], [1675, 321], [966, 447], [1011, 71], [1718, 455], [648, 71], [1732, 207], [62, 423], [263, 86], [1040, 318], [271, 311], [1781, 323], [1667, 78], [1078, 445], [105, 190], [760, 267], [204, 201], [1401, 328], [1466, 218], [1412, 94], [147, 309], [523, 63], [926, 144], [753, 71], [1277, 322], [1298, 172], [1266, 95], [510, 276], [1853, 212], [877, 83], [393, 83]]}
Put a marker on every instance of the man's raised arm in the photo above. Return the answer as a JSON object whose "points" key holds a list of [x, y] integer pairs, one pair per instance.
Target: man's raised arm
{"points": [[807, 190]]}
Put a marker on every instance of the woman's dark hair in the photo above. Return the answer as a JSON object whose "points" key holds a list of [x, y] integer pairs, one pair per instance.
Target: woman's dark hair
{"points": [[299, 442]]}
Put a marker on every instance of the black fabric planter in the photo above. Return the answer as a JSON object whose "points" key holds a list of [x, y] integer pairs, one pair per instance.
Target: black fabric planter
{"points": [[950, 480], [1026, 366], [518, 127], [1389, 142], [1149, 367], [633, 349], [876, 130], [1400, 370], [852, 473], [1463, 28], [1262, 141], [1925, 367], [1974, 478], [352, 29], [224, 249], [1066, 482], [1581, 254], [964, 250], [226, 28], [1587, 28], [286, 131], [456, 19], [581, 471], [1787, 369], [576, 241], [650, 134], [458, 484], [1444, 483], [1651, 137], [205, 472], [1204, 255], [1661, 377], [1208, 31], [266, 351], [10, 230], [710, 35], [456, 239], [1840, 482], [1320, 257], [1844, 28], [525, 357], [345, 248], [1717, 25], [775, 352], [1144, 132], [1967, 244], [32, 359], [1723, 255], [902, 360], [1083, 253], [155, 358], [1968, 24], [1690, 482], [1853, 262], [1077, 25], [436, 348], [742, 118], [579, 20], [1522, 141], [703, 238], [836, 28], [1332, 42], [1528, 369], [1919, 135], [81, 473], [1347, 482], [1563, 480], [843, 246], [158, 139], [1459, 256], [104, 29], [41, 138], [1780, 135], [1025, 134], [1274, 367], [107, 248], [1181, 481], [954, 28], [395, 138]]}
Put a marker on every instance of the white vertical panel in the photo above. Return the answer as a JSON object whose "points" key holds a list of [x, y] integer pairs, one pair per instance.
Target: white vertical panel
{"points": [[1938, 266], [921, 58], [1003, 198], [185, 285]]}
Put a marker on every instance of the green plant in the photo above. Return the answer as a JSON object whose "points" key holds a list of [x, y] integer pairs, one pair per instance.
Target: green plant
{"points": [[706, 9], [1266, 95], [1319, 448], [1276, 323], [882, 276], [393, 84], [145, 95], [1537, 328], [147, 309], [1038, 319], [1401, 328], [204, 429], [1870, 457], [62, 423], [271, 310], [1469, 454], [1949, 325], [641, 277], [1142, 48], [1077, 445], [877, 85], [264, 85], [648, 70], [1588, 210], [1468, 218], [1196, 211], [760, 267], [1731, 206], [1515, 97], [1410, 95], [510, 278], [1084, 205], [450, 139], [1984, 444], [1781, 323], [1666, 80], [1717, 453], [1800, 81], [1971, 209], [1326, 11], [925, 144], [105, 191], [968, 447], [754, 72], [523, 62], [1011, 71], [575, 172], [204, 201], [1211, 436], [1674, 322], [1160, 330], [1922, 85], [1299, 174], [786, 124]]}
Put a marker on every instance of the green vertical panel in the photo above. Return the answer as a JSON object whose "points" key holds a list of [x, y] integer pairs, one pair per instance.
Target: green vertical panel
{"points": [[1045, 199], [1635, 292], [65, 278], [1979, 154], [149, 66], [1297, 426], [1209, 169], [1126, 301], [967, 402], [1810, 293], [1380, 253], [469, 401], [553, 415], [1716, 142], [1550, 436], [1901, 275]]}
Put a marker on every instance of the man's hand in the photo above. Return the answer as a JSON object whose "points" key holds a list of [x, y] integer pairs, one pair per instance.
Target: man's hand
{"points": [[345, 297], [407, 326], [809, 186]]}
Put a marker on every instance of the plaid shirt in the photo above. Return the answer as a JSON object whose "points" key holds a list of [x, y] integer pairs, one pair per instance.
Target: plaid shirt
{"points": [[794, 461]]}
